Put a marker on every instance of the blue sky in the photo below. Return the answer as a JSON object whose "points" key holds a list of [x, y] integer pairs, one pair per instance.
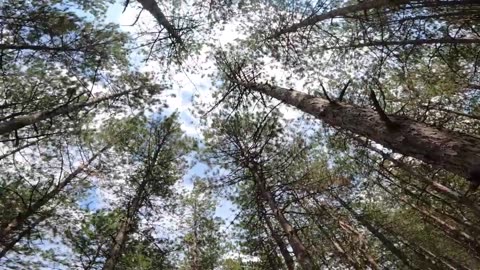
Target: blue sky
{"points": [[184, 90]]}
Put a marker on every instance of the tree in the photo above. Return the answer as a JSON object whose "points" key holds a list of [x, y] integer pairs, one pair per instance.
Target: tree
{"points": [[202, 242], [160, 147]]}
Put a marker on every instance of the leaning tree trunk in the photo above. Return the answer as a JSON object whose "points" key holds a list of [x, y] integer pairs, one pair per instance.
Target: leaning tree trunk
{"points": [[278, 240], [21, 219], [152, 7], [124, 230], [380, 236], [452, 151], [30, 119], [362, 7], [298, 247]]}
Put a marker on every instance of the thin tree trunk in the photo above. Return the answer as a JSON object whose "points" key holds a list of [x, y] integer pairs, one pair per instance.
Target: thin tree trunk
{"points": [[455, 152], [39, 48], [134, 206], [152, 7], [299, 249], [279, 241], [22, 121], [23, 217], [442, 189], [18, 149], [385, 241], [196, 252], [457, 235], [123, 231], [9, 246]]}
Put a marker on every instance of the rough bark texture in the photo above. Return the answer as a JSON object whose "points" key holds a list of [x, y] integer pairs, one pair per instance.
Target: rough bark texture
{"points": [[22, 121], [452, 151], [415, 42], [364, 6], [339, 12], [152, 7]]}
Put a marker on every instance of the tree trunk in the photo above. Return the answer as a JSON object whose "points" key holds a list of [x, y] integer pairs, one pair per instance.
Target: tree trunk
{"points": [[123, 231], [23, 217], [299, 249], [152, 7], [364, 6], [415, 42], [9, 245], [196, 252], [18, 149], [339, 12], [385, 241], [452, 151], [22, 121], [279, 241]]}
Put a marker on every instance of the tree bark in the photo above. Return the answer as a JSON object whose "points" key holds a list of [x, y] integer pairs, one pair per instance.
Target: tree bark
{"points": [[452, 151], [299, 249], [415, 42], [152, 7], [23, 217], [123, 231], [339, 12], [22, 121], [385, 241], [18, 47], [363, 6], [279, 241]]}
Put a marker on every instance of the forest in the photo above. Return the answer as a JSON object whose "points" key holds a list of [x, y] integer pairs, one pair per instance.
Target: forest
{"points": [[240, 134]]}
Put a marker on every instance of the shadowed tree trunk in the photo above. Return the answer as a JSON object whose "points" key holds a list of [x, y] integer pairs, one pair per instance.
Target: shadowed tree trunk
{"points": [[339, 12], [125, 228], [361, 7], [385, 241]]}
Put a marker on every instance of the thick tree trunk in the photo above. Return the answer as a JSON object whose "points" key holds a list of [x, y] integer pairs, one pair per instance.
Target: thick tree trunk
{"points": [[152, 7], [22, 218], [339, 12], [452, 151], [22, 121], [385, 241], [365, 6], [415, 42]]}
